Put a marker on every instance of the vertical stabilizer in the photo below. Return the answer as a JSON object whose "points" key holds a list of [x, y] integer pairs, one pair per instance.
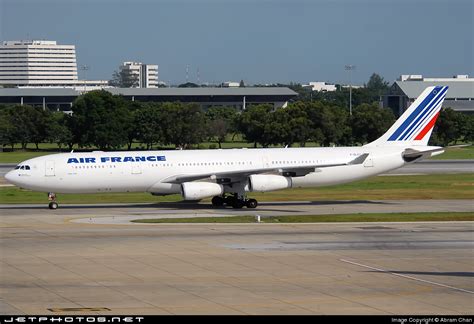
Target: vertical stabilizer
{"points": [[414, 127]]}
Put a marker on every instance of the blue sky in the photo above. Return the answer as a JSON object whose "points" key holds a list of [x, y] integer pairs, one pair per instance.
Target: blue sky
{"points": [[259, 41]]}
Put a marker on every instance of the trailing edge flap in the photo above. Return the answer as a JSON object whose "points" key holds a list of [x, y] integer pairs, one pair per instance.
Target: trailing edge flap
{"points": [[288, 171]]}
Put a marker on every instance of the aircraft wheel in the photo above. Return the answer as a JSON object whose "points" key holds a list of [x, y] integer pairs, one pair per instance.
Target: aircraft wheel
{"points": [[53, 205], [237, 204], [229, 200], [252, 203], [217, 201]]}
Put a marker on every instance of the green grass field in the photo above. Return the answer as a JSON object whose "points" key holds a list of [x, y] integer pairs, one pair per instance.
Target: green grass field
{"points": [[458, 153], [444, 186], [20, 155], [376, 217]]}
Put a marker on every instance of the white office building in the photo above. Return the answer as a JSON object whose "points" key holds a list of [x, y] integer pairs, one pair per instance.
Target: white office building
{"points": [[41, 63], [146, 75], [231, 84], [37, 63], [320, 86]]}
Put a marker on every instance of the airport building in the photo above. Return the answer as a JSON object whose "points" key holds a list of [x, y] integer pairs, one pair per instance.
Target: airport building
{"points": [[146, 75], [231, 84], [460, 96], [62, 98], [40, 63], [320, 86]]}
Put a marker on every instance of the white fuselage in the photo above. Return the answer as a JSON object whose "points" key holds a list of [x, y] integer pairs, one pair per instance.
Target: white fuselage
{"points": [[145, 171]]}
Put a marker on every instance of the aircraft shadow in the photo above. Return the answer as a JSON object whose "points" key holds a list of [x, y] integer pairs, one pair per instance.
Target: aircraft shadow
{"points": [[185, 205]]}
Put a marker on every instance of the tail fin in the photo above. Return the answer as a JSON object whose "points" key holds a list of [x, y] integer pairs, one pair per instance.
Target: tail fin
{"points": [[414, 127]]}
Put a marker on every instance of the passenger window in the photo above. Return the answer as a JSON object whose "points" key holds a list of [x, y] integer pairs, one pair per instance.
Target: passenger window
{"points": [[27, 167]]}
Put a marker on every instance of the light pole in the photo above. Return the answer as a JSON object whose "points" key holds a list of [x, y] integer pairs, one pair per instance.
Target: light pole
{"points": [[349, 68], [84, 68]]}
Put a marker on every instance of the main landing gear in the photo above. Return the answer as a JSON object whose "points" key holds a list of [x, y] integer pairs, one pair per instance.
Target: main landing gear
{"points": [[234, 201], [52, 201]]}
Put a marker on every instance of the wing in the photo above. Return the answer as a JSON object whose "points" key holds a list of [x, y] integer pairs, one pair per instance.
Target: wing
{"points": [[293, 171]]}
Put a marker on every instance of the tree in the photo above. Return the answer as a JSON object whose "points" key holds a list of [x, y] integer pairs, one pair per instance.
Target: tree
{"points": [[149, 125], [221, 121], [133, 128], [299, 125], [184, 124], [188, 85], [218, 128], [369, 122], [341, 133], [377, 84], [7, 128], [254, 124], [450, 127], [241, 84], [468, 132], [58, 131], [25, 128], [124, 79], [277, 129], [39, 118], [317, 115], [100, 119]]}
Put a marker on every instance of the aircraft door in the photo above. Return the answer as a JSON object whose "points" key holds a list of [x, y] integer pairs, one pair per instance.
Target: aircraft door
{"points": [[49, 169], [266, 162], [369, 163], [136, 168]]}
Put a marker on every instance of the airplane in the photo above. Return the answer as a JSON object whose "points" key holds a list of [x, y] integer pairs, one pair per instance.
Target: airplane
{"points": [[228, 175]]}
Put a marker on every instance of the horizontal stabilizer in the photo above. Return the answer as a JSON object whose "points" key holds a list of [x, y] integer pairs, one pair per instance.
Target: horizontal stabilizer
{"points": [[410, 155]]}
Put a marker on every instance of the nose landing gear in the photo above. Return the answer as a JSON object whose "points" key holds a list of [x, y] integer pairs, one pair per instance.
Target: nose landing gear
{"points": [[52, 201]]}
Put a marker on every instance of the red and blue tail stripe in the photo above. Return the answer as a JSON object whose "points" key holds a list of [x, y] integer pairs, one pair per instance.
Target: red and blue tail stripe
{"points": [[423, 117]]}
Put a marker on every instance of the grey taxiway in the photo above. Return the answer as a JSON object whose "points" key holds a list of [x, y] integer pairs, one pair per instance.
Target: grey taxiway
{"points": [[88, 260]]}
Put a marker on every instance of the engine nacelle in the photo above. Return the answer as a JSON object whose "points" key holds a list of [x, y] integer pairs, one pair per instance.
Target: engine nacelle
{"points": [[268, 182], [200, 190]]}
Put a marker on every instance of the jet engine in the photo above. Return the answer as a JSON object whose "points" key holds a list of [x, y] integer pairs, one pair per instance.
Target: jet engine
{"points": [[268, 182], [200, 190]]}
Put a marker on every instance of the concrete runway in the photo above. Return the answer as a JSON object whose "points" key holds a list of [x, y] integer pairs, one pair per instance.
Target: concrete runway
{"points": [[92, 257], [85, 257]]}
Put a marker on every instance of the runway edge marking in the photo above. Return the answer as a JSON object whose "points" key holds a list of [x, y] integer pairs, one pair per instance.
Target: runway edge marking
{"points": [[407, 277]]}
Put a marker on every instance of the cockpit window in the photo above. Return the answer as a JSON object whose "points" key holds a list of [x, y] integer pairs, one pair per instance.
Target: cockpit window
{"points": [[23, 167]]}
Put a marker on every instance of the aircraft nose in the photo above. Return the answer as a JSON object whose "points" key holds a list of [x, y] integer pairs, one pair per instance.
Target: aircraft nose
{"points": [[10, 176]]}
